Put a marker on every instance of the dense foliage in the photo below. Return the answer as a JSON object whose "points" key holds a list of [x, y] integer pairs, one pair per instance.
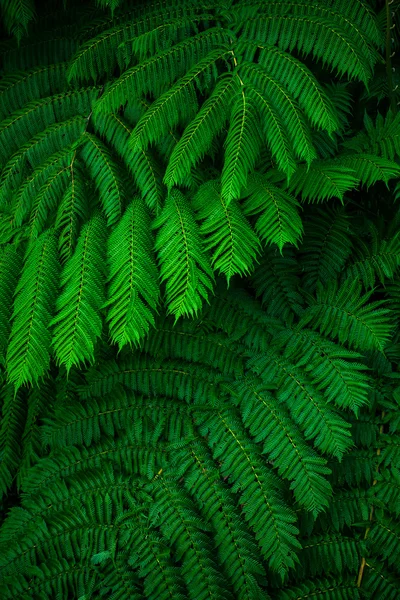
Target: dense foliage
{"points": [[199, 300]]}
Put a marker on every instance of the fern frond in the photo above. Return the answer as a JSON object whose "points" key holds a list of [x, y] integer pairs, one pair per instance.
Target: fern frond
{"points": [[308, 407], [39, 403], [17, 14], [28, 353], [275, 132], [330, 555], [333, 369], [374, 258], [369, 168], [31, 187], [303, 86], [226, 231], [39, 114], [47, 200], [348, 316], [325, 39], [36, 151], [237, 551], [10, 267], [178, 103], [100, 54], [242, 145], [322, 180], [338, 588], [184, 265], [293, 119], [198, 135], [106, 175], [133, 288], [269, 422], [77, 323], [279, 222], [276, 281], [180, 524], [141, 164], [12, 425], [153, 74], [327, 245], [18, 88], [380, 581], [72, 212], [381, 138], [261, 499]]}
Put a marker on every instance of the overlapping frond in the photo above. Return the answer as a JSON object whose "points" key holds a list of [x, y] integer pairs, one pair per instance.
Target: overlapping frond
{"points": [[349, 316], [279, 222], [77, 323], [133, 286], [227, 233], [184, 266], [28, 352]]}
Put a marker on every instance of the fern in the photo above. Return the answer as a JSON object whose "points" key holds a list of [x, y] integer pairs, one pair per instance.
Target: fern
{"points": [[199, 392], [131, 308], [183, 266], [76, 325]]}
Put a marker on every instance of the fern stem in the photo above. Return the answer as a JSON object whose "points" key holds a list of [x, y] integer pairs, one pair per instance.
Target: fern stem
{"points": [[371, 516], [389, 73]]}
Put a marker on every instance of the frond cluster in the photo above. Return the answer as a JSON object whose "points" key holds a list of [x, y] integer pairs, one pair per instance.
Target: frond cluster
{"points": [[199, 300]]}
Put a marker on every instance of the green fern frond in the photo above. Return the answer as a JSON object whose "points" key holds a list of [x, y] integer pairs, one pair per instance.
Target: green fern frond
{"points": [[18, 88], [374, 258], [10, 267], [260, 495], [72, 212], [269, 422], [133, 288], [184, 265], [99, 55], [177, 104], [37, 180], [369, 168], [180, 524], [293, 119], [106, 176], [318, 420], [198, 135], [242, 145], [326, 247], [312, 34], [11, 429], [226, 231], [153, 74], [381, 138], [142, 164], [17, 14], [322, 180], [277, 283], [279, 222], [338, 588], [379, 580], [28, 356], [35, 116], [347, 315], [36, 151], [237, 551], [303, 86], [46, 202], [332, 368], [77, 323]]}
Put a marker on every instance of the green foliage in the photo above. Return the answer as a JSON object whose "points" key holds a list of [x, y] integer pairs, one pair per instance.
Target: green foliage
{"points": [[199, 367]]}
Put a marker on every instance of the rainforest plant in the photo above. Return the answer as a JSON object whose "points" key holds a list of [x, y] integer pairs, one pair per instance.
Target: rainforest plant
{"points": [[199, 300]]}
